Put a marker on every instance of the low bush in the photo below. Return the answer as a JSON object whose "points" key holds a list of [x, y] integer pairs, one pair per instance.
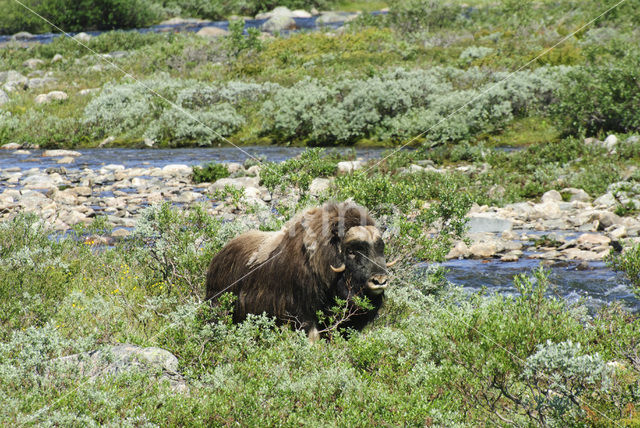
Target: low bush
{"points": [[524, 359], [299, 171], [599, 99], [210, 172], [627, 262], [219, 10], [403, 104], [204, 113], [176, 247], [78, 16]]}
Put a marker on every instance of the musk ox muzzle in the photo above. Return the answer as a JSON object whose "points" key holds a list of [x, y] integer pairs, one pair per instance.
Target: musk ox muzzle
{"points": [[324, 253]]}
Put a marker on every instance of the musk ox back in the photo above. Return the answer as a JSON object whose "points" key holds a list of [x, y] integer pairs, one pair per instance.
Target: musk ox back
{"points": [[324, 253]]}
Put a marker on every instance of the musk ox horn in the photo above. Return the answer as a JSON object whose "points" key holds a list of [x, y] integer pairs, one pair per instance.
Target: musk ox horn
{"points": [[338, 269], [393, 262]]}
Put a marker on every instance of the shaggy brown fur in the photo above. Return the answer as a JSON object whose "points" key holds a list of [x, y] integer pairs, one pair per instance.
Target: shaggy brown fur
{"points": [[288, 274]]}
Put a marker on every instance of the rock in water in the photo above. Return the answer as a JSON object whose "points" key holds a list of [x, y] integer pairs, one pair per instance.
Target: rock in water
{"points": [[279, 23]]}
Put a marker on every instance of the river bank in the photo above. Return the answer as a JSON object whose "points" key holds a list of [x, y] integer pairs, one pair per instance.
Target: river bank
{"points": [[563, 225]]}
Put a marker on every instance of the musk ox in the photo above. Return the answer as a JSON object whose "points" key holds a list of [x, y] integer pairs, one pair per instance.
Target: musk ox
{"points": [[323, 253]]}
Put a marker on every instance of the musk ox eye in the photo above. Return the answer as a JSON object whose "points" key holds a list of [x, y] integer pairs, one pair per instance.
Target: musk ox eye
{"points": [[351, 254]]}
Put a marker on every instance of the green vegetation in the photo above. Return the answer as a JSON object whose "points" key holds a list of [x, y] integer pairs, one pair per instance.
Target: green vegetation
{"points": [[86, 15], [452, 78], [628, 262], [210, 172], [70, 15], [453, 75], [479, 360]]}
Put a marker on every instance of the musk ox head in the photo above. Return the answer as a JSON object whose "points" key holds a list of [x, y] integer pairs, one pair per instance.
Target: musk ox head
{"points": [[363, 265]]}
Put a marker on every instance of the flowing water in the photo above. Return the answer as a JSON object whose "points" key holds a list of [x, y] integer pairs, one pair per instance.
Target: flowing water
{"points": [[592, 284], [301, 24], [148, 158]]}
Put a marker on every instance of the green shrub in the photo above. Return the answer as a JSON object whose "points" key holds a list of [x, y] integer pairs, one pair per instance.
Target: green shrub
{"points": [[627, 262], [78, 15], [209, 172], [425, 210], [202, 126], [298, 171], [600, 99], [402, 104], [35, 272], [412, 16], [176, 246], [219, 10]]}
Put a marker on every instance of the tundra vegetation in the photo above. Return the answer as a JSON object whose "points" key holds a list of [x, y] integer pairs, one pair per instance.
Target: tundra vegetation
{"points": [[436, 355]]}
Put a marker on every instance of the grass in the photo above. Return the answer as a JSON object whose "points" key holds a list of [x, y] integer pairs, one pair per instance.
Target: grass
{"points": [[524, 132], [431, 340], [436, 355], [360, 5]]}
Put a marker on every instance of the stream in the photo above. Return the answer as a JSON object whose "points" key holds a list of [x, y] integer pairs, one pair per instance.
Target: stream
{"points": [[302, 24], [592, 284]]}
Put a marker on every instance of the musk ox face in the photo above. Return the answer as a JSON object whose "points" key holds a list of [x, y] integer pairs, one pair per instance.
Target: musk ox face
{"points": [[364, 268]]}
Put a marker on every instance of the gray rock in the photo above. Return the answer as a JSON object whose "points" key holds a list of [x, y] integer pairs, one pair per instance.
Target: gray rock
{"points": [[253, 171], [60, 152], [334, 17], [82, 37], [633, 139], [51, 96], [88, 91], [177, 169], [32, 201], [618, 233], [488, 223], [459, 251], [13, 80], [483, 250], [22, 36], [212, 32], [552, 196], [578, 254], [577, 195], [33, 63], [588, 241], [56, 58], [182, 21], [39, 82], [66, 196], [611, 141], [511, 256], [11, 146], [4, 98], [608, 219], [319, 185], [299, 13], [118, 359], [546, 210], [607, 200], [521, 209], [347, 167], [187, 197], [238, 183], [279, 23], [41, 181], [233, 167], [278, 11]]}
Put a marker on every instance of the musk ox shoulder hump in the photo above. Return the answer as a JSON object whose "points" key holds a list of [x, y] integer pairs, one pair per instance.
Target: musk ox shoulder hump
{"points": [[269, 241]]}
